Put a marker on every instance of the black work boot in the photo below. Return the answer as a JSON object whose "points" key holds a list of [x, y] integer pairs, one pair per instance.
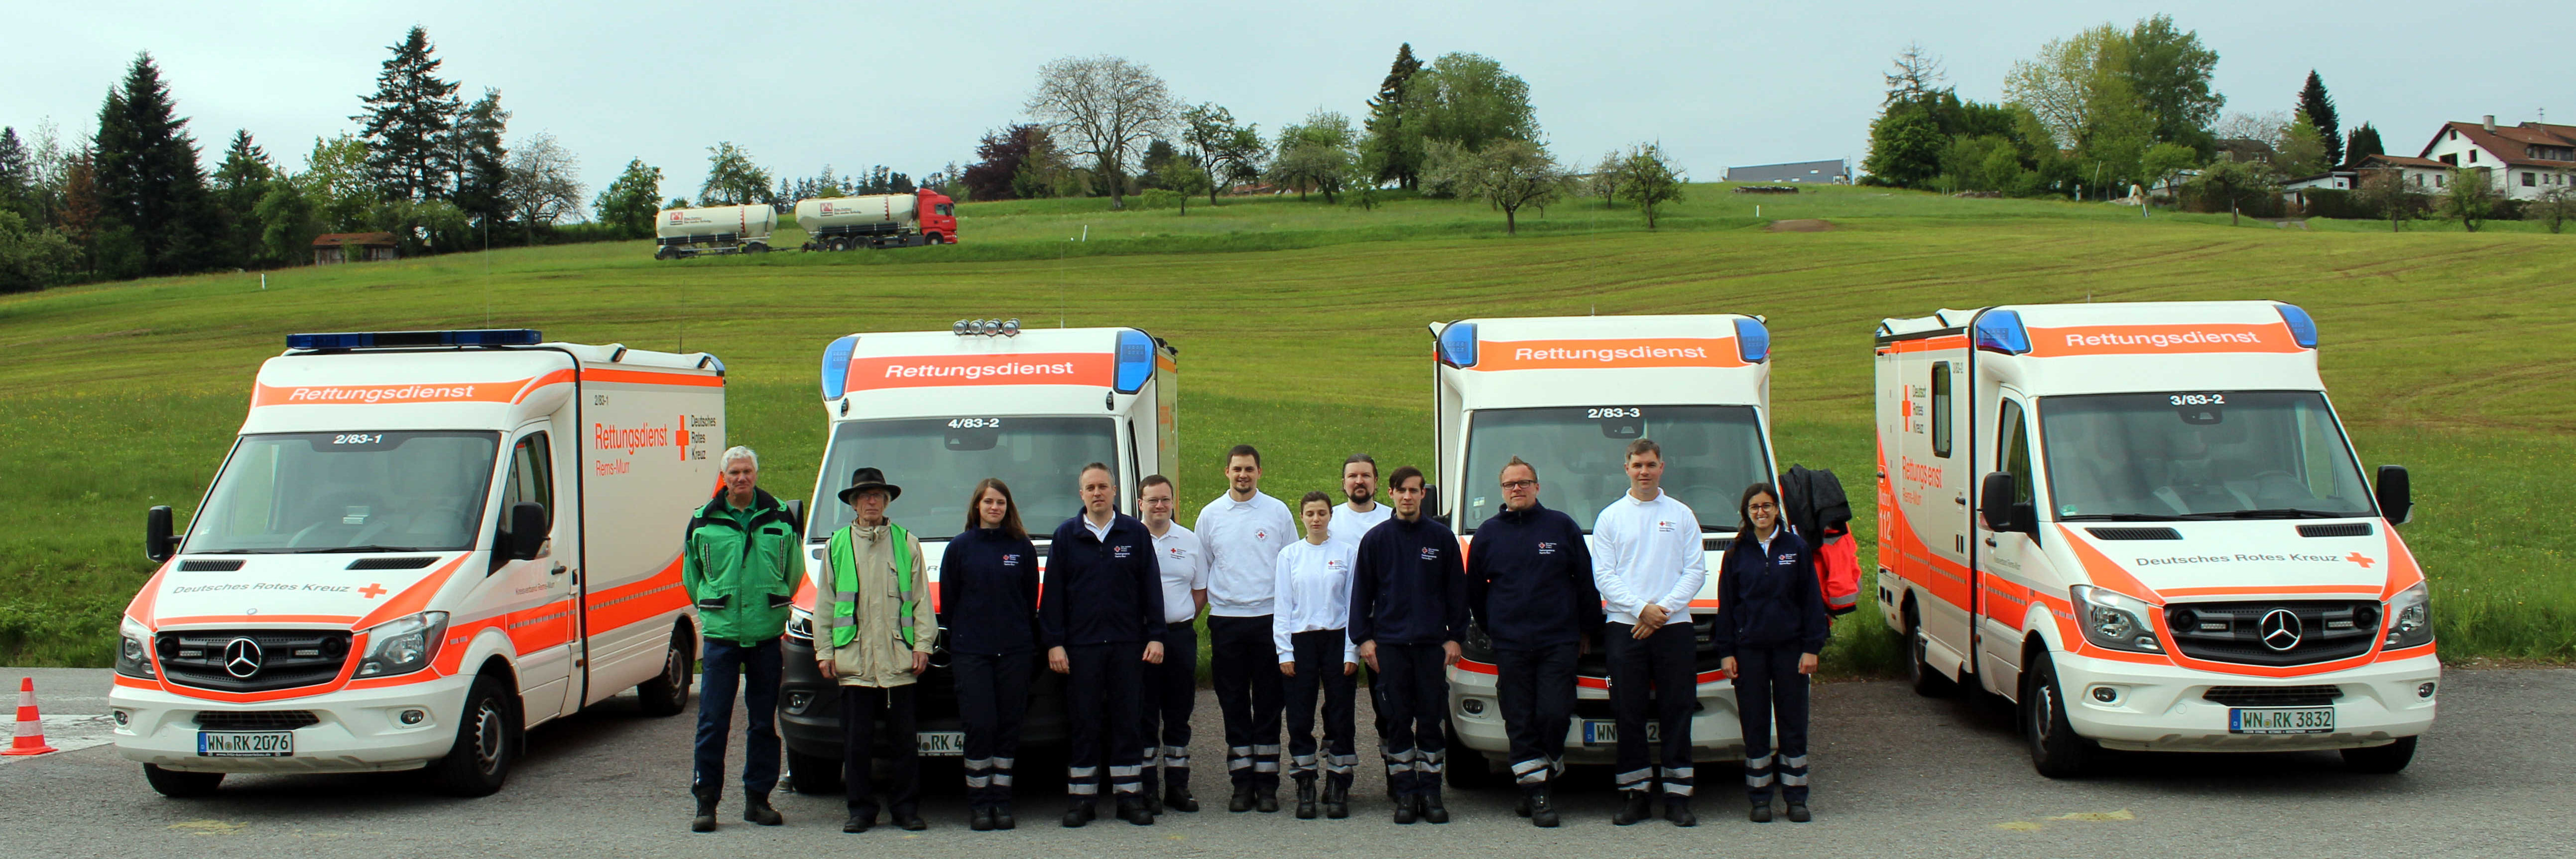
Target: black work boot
{"points": [[1677, 810], [1079, 813], [1305, 796], [1639, 807], [1798, 813], [1002, 818], [1266, 799], [706, 819], [980, 819], [1176, 796], [1132, 808], [1542, 810], [1407, 809], [1337, 798], [1242, 800], [1761, 812], [1432, 810], [755, 808]]}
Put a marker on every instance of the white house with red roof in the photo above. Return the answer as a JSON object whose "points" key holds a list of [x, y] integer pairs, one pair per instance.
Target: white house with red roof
{"points": [[2524, 161]]}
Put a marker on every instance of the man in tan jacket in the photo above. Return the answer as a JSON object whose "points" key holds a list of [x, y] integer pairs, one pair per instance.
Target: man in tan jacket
{"points": [[874, 630]]}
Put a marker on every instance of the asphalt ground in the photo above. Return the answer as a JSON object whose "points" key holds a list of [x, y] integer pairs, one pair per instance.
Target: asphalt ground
{"points": [[1894, 775]]}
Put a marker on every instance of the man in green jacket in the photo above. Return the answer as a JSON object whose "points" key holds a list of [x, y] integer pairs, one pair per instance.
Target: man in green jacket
{"points": [[735, 561]]}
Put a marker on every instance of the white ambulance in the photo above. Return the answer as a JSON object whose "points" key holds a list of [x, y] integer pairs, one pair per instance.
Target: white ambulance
{"points": [[939, 411], [1567, 394], [422, 544], [2144, 524]]}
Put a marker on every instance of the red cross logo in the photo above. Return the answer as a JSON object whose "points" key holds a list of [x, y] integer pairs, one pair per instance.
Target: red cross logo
{"points": [[372, 590], [2357, 558]]}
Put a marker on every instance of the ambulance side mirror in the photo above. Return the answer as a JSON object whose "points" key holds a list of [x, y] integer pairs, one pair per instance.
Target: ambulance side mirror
{"points": [[527, 530], [2396, 499], [1995, 505], [796, 515], [158, 544]]}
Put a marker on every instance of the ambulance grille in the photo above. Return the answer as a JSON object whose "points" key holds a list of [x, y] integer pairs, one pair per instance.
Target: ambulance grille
{"points": [[2134, 533], [256, 720], [2339, 529], [2234, 632], [393, 563], [2273, 696], [285, 659], [209, 565]]}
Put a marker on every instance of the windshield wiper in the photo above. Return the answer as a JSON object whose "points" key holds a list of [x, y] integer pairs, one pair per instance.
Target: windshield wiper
{"points": [[2274, 513], [348, 549], [2121, 517]]}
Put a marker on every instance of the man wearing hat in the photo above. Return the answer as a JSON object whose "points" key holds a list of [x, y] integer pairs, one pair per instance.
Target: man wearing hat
{"points": [[873, 631]]}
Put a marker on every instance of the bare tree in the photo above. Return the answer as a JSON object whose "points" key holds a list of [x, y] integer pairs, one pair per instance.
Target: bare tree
{"points": [[1103, 107], [2385, 189], [541, 188], [2553, 208], [2263, 127], [1918, 76]]}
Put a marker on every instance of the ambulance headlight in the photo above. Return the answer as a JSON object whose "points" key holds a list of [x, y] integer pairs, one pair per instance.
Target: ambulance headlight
{"points": [[2114, 620], [403, 645], [800, 625], [134, 649], [2410, 618]]}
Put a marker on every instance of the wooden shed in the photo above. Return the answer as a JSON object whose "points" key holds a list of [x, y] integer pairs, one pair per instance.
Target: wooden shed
{"points": [[333, 248]]}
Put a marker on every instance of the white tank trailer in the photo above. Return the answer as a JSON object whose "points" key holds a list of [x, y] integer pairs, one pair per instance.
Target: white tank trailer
{"points": [[713, 230], [877, 221]]}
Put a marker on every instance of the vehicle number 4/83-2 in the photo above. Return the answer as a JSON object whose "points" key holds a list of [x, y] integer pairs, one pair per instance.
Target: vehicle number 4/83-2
{"points": [[975, 423]]}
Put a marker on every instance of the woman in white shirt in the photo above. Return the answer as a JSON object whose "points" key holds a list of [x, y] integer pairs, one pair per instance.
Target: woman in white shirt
{"points": [[1310, 626]]}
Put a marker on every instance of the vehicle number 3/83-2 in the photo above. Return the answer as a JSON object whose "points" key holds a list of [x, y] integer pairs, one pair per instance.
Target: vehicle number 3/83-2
{"points": [[2197, 399], [1614, 412]]}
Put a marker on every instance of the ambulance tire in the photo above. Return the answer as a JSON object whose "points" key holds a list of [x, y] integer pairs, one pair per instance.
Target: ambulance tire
{"points": [[1928, 682], [2381, 760], [187, 785], [2055, 750], [1468, 769], [486, 741], [813, 775], [668, 692]]}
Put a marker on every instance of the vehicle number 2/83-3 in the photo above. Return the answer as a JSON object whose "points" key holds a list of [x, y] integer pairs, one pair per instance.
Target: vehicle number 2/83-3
{"points": [[1613, 412], [975, 423]]}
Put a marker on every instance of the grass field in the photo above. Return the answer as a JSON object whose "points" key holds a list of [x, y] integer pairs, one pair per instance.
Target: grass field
{"points": [[1301, 329]]}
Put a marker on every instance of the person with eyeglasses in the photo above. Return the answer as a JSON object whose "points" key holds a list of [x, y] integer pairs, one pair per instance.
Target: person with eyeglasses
{"points": [[1529, 583], [1172, 688], [1770, 627]]}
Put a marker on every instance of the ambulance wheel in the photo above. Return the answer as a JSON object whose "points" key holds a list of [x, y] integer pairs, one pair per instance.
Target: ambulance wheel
{"points": [[2055, 750], [2375, 760], [668, 692], [1928, 682], [1468, 769], [486, 737], [813, 775], [187, 785]]}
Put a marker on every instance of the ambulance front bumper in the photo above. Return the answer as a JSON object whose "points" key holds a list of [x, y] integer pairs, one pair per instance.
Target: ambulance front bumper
{"points": [[1476, 714], [351, 731], [2169, 708]]}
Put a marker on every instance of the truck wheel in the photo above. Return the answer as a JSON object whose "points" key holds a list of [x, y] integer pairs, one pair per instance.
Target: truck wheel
{"points": [[486, 734], [668, 692], [1928, 682], [813, 775], [759, 248], [1468, 768], [2375, 760], [2055, 750], [664, 252], [176, 784]]}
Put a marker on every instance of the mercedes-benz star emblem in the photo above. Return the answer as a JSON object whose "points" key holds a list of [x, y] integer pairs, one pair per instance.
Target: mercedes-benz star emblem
{"points": [[2280, 629], [241, 658]]}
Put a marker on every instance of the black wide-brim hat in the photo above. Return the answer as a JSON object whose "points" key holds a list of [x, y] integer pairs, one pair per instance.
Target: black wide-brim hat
{"points": [[865, 479]]}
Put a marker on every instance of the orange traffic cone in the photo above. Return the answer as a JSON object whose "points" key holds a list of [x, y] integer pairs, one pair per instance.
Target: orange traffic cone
{"points": [[31, 728]]}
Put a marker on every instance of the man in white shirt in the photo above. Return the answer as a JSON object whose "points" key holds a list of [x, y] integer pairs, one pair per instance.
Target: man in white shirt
{"points": [[1172, 687], [1243, 531], [1353, 520], [1647, 562]]}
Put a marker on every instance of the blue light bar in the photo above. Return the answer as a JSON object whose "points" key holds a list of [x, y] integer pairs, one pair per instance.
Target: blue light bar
{"points": [[2302, 328], [836, 366], [1752, 341], [1457, 345], [416, 339], [1135, 360], [2001, 331]]}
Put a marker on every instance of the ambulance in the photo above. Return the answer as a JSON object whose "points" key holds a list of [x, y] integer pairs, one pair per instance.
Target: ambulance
{"points": [[939, 411], [2143, 523], [421, 544], [1567, 395]]}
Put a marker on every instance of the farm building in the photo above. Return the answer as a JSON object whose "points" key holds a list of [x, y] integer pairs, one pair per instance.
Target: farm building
{"points": [[334, 248], [2522, 160], [1817, 172]]}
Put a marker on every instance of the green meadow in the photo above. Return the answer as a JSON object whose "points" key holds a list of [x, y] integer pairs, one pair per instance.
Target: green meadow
{"points": [[1300, 326]]}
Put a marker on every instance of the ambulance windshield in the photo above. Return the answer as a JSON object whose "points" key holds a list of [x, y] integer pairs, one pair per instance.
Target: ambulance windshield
{"points": [[2198, 455], [938, 461], [348, 492], [1711, 453]]}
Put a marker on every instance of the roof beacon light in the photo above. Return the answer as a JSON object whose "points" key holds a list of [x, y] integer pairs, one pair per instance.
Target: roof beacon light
{"points": [[992, 328], [962, 327], [2302, 328], [1752, 341], [415, 339], [2001, 331], [1457, 345], [1135, 361], [1010, 328], [836, 366]]}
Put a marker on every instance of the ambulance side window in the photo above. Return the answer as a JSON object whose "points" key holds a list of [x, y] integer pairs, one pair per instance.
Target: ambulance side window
{"points": [[2014, 451], [1941, 409], [532, 476]]}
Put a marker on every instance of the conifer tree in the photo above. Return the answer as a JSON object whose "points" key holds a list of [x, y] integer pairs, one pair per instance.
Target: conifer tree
{"points": [[2319, 110], [407, 121], [151, 190]]}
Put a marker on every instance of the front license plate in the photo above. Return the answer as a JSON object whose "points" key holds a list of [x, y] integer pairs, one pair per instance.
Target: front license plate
{"points": [[2305, 720], [1606, 733], [948, 744], [237, 744]]}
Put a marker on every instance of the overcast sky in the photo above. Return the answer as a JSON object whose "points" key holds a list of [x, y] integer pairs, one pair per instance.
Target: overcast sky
{"points": [[804, 84]]}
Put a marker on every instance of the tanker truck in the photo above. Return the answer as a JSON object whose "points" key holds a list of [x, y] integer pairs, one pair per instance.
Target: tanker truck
{"points": [[681, 233], [923, 217]]}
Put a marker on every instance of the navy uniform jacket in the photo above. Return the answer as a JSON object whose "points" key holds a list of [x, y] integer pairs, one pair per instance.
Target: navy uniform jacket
{"points": [[988, 592], [1101, 592], [1410, 587], [1529, 578], [1769, 599]]}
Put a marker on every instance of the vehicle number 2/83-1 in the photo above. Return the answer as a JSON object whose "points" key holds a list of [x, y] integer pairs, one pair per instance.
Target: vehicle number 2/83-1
{"points": [[975, 423], [358, 438], [1614, 412]]}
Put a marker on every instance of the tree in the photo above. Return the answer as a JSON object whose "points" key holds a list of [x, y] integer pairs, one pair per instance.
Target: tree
{"points": [[2553, 208], [630, 201], [2168, 72], [17, 177], [1186, 179], [407, 120], [33, 258], [335, 184], [1904, 147], [1103, 108], [1315, 155], [2303, 149], [1648, 179], [1916, 79], [2164, 162], [2385, 189], [2364, 143], [542, 186], [1507, 174], [240, 182], [483, 164], [149, 181], [732, 179], [2234, 183], [2471, 197], [1221, 149], [1469, 100], [2317, 109], [1397, 155], [1605, 178], [998, 157], [2060, 86], [286, 223]]}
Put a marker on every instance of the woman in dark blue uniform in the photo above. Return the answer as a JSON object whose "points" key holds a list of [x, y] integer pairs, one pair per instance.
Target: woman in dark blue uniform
{"points": [[988, 593], [1770, 627]]}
